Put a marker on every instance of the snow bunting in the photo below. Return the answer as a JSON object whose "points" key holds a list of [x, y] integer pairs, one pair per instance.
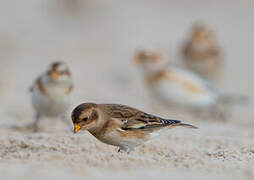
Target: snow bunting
{"points": [[120, 125], [51, 92], [202, 54], [179, 86]]}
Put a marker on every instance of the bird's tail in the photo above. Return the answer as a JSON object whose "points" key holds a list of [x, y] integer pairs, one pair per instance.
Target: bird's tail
{"points": [[187, 125], [179, 123], [234, 99]]}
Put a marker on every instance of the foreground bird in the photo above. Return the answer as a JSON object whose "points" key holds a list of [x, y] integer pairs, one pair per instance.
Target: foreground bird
{"points": [[51, 92], [179, 86], [202, 54], [120, 125]]}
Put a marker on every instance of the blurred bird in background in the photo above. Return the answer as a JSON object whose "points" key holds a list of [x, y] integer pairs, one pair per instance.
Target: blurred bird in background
{"points": [[51, 93], [180, 87], [202, 54]]}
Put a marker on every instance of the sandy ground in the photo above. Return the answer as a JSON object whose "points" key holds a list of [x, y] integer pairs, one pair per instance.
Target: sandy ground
{"points": [[97, 40]]}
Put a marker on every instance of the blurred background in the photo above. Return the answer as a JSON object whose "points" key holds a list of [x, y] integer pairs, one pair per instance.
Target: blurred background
{"points": [[97, 40]]}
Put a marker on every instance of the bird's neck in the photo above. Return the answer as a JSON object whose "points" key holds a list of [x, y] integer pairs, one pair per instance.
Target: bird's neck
{"points": [[56, 88], [155, 76], [101, 124]]}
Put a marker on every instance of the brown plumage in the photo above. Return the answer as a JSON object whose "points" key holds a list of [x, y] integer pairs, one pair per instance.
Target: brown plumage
{"points": [[40, 86], [69, 90], [120, 125], [202, 54]]}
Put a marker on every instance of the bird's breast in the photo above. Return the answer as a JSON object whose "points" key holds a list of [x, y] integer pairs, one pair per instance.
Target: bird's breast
{"points": [[122, 138]]}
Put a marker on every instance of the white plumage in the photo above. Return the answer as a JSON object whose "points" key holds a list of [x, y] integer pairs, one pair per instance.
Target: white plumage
{"points": [[51, 93], [185, 88]]}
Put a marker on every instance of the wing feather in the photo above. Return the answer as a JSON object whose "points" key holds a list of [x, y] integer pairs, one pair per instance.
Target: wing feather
{"points": [[133, 119]]}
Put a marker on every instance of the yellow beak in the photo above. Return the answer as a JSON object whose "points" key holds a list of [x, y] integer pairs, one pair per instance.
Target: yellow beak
{"points": [[76, 128]]}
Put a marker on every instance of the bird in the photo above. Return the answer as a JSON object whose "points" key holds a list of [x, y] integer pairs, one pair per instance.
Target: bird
{"points": [[202, 54], [179, 86], [120, 125], [50, 93]]}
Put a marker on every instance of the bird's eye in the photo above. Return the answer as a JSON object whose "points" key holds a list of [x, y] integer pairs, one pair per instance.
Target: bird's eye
{"points": [[85, 119]]}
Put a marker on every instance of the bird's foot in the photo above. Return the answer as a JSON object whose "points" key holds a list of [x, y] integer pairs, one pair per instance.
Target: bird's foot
{"points": [[125, 149], [119, 149]]}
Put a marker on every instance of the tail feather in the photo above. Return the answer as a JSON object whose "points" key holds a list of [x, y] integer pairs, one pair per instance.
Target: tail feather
{"points": [[179, 123], [187, 125]]}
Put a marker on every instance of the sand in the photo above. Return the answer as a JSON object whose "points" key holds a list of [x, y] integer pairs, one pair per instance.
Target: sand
{"points": [[97, 40]]}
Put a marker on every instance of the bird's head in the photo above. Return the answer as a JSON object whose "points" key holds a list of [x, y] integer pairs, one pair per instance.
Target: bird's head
{"points": [[59, 71], [150, 60], [202, 35], [84, 116]]}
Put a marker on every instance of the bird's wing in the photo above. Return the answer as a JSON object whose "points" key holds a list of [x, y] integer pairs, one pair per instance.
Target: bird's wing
{"points": [[38, 83], [132, 119], [35, 82], [183, 87]]}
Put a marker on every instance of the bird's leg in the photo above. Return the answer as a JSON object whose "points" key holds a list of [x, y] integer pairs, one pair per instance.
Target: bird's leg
{"points": [[126, 149], [119, 149], [36, 123]]}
